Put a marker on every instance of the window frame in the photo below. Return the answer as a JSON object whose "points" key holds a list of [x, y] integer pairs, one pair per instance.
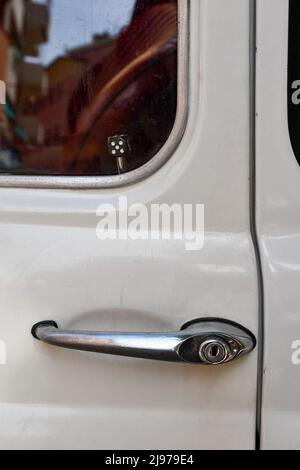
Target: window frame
{"points": [[142, 172]]}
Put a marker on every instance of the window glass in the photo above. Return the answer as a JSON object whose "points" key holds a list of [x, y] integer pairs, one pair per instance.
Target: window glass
{"points": [[87, 87], [294, 77]]}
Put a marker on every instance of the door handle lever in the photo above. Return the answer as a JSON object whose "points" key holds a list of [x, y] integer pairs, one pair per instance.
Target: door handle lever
{"points": [[210, 341]]}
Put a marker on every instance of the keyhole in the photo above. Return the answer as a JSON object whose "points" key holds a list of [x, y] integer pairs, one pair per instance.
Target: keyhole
{"points": [[215, 351]]}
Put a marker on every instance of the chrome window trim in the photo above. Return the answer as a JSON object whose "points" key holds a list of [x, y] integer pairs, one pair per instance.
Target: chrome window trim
{"points": [[113, 181]]}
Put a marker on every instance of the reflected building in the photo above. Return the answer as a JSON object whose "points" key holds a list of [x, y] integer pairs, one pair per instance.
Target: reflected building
{"points": [[60, 80], [34, 123], [23, 28]]}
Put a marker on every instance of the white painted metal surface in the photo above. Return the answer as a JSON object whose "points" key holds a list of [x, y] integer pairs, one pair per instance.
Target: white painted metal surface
{"points": [[53, 267], [278, 208]]}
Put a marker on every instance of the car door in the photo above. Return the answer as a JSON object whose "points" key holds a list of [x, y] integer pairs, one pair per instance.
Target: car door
{"points": [[55, 267], [278, 203]]}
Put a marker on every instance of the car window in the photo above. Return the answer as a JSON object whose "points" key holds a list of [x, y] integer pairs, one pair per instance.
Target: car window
{"points": [[89, 88], [294, 77]]}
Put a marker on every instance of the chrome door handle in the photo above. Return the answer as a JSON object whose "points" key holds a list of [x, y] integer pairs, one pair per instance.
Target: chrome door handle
{"points": [[210, 341]]}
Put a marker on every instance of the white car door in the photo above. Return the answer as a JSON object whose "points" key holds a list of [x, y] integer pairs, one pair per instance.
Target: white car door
{"points": [[278, 205], [54, 267]]}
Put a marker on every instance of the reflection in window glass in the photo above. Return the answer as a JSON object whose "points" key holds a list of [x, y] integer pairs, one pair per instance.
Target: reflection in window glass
{"points": [[88, 87]]}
